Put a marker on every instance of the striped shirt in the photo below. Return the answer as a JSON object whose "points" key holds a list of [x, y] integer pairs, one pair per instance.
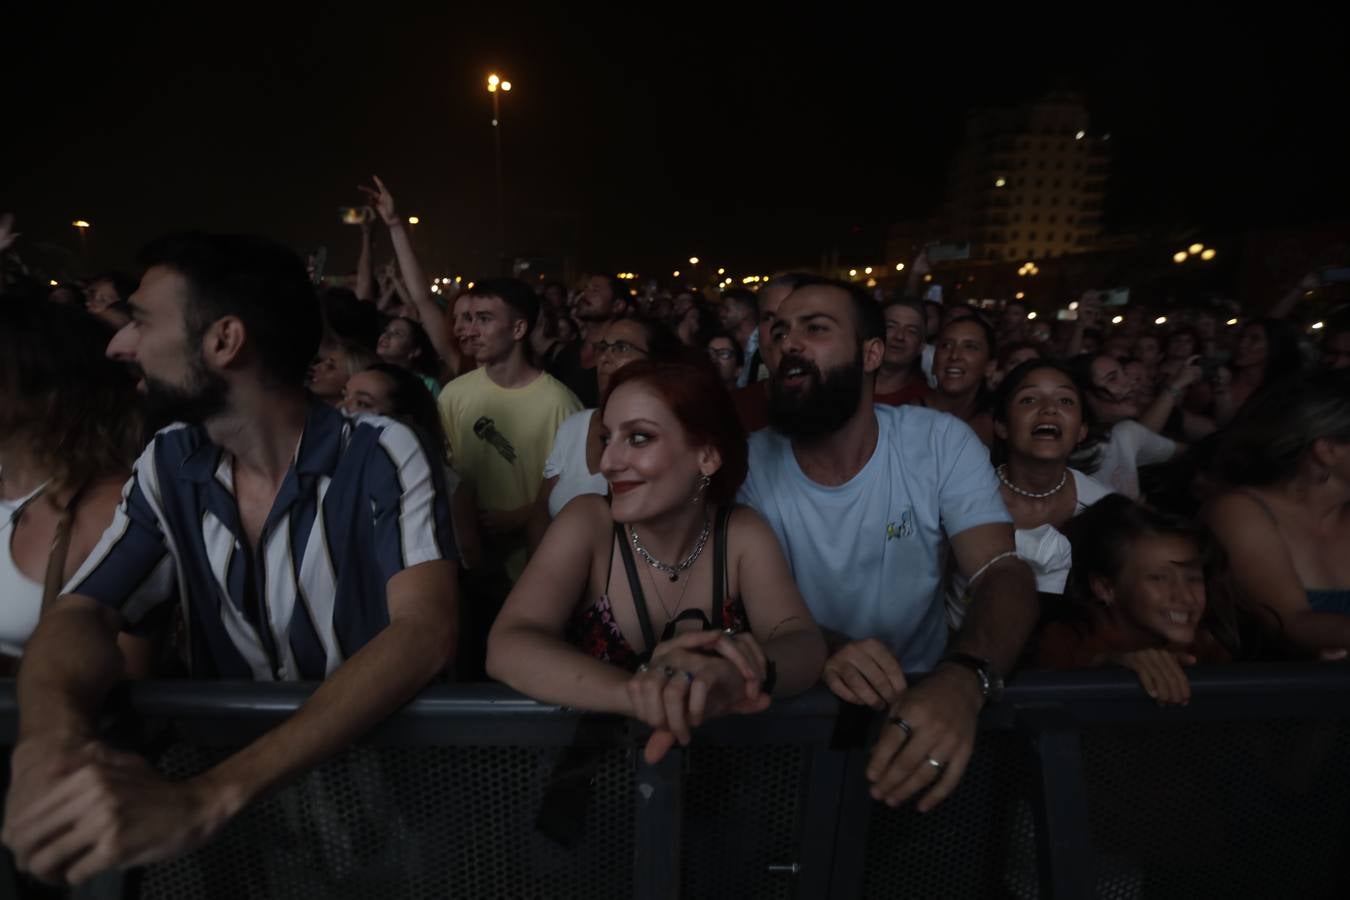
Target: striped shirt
{"points": [[359, 504]]}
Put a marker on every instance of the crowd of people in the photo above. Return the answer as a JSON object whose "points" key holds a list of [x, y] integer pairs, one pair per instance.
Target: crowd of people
{"points": [[671, 506]]}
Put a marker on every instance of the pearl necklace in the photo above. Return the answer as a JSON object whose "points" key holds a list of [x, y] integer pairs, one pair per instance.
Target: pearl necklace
{"points": [[1002, 472]]}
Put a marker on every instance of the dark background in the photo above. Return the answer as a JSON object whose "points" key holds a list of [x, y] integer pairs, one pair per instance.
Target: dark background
{"points": [[632, 141]]}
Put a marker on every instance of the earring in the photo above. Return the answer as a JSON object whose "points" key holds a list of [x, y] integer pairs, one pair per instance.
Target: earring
{"points": [[702, 486]]}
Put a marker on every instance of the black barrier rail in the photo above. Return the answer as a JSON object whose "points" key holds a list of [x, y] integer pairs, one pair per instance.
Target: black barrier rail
{"points": [[1080, 787]]}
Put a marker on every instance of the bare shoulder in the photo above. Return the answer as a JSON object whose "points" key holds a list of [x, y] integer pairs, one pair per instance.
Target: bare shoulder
{"points": [[1236, 512]]}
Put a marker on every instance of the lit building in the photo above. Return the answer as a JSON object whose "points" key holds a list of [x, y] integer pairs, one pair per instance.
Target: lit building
{"points": [[1028, 183]]}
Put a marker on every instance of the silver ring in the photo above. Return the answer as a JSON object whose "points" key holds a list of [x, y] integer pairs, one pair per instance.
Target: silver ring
{"points": [[934, 763], [904, 726], [729, 632], [642, 667], [668, 671]]}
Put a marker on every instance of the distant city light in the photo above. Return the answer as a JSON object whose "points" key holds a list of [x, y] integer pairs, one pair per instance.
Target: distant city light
{"points": [[1031, 315], [494, 80], [1232, 321], [457, 279], [675, 274], [1020, 294], [81, 223], [871, 282], [1207, 255], [852, 273], [899, 267], [1179, 256], [867, 271], [469, 285], [1194, 249], [1161, 320], [1073, 306], [721, 271], [1117, 320], [928, 278], [1080, 135], [53, 282], [1000, 182], [413, 220], [506, 85], [1316, 326], [693, 260]]}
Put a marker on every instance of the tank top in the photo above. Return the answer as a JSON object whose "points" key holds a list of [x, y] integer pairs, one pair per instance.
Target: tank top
{"points": [[20, 596]]}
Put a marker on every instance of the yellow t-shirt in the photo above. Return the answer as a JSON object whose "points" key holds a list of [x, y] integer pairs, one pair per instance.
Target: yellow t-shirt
{"points": [[501, 437]]}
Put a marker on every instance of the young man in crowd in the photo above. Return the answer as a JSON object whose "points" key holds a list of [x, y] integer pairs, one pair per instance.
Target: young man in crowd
{"points": [[868, 503], [727, 357], [297, 545], [740, 317], [752, 400], [501, 417], [605, 300], [901, 378]]}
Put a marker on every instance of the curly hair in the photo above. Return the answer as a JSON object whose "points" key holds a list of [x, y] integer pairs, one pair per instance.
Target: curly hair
{"points": [[78, 410]]}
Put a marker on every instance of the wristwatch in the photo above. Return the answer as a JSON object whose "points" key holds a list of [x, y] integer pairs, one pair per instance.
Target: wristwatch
{"points": [[991, 680]]}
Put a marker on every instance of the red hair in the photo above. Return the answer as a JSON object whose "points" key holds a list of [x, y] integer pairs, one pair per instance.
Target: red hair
{"points": [[699, 400]]}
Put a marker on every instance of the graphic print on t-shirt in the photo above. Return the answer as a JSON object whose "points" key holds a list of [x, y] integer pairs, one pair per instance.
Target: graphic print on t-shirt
{"points": [[486, 429]]}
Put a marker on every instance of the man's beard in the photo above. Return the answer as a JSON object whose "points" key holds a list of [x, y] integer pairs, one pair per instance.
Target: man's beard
{"points": [[205, 395], [820, 408]]}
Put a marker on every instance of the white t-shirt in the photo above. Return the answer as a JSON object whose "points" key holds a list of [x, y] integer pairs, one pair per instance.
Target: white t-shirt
{"points": [[1088, 489], [567, 461], [869, 555], [1130, 446]]}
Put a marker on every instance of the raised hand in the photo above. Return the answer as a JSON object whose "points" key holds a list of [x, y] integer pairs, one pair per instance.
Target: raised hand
{"points": [[382, 201]]}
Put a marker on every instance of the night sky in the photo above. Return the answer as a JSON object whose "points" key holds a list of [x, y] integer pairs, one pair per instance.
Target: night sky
{"points": [[628, 143]]}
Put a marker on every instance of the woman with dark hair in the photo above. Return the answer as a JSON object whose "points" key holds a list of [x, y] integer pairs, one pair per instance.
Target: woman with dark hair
{"points": [[385, 389], [962, 362], [698, 324], [1010, 356], [1038, 421], [70, 428], [1267, 352], [573, 465], [404, 343], [1137, 599], [663, 631], [1285, 521]]}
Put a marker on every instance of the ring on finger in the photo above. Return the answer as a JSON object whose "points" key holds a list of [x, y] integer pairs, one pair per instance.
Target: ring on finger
{"points": [[904, 726], [642, 668], [937, 766], [668, 671]]}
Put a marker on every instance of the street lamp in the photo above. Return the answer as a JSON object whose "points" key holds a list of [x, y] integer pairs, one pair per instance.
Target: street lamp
{"points": [[82, 227], [693, 260], [496, 87]]}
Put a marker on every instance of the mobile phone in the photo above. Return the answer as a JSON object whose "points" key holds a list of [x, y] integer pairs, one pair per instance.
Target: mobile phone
{"points": [[351, 215]]}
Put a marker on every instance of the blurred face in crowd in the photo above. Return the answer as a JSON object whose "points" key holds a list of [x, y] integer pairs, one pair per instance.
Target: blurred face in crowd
{"points": [[1160, 592], [102, 294], [1148, 350], [66, 295], [733, 313], [621, 342], [1117, 345], [175, 378], [962, 359], [1014, 317], [567, 330], [1181, 346], [462, 318], [1044, 418], [648, 460], [953, 312], [597, 301], [494, 329], [328, 374], [1111, 393], [822, 363], [1015, 359], [555, 296], [904, 337], [396, 344], [1251, 348], [369, 392], [723, 353], [1205, 325], [770, 299], [1136, 375], [1336, 350], [683, 301]]}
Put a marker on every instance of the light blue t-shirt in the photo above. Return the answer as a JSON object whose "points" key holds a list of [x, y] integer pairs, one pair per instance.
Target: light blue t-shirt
{"points": [[869, 555]]}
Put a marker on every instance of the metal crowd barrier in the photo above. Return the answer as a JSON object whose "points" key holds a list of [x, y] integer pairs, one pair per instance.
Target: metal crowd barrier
{"points": [[1080, 787]]}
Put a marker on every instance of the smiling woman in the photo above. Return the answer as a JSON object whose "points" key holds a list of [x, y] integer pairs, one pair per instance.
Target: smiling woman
{"points": [[687, 608]]}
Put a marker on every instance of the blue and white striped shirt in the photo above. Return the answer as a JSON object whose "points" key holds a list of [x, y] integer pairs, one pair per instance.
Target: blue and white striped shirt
{"points": [[360, 503]]}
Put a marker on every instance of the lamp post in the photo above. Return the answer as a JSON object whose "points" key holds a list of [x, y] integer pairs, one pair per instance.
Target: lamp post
{"points": [[496, 87]]}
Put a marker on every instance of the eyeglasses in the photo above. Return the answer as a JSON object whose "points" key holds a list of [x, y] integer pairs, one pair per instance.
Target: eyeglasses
{"points": [[721, 353], [618, 348]]}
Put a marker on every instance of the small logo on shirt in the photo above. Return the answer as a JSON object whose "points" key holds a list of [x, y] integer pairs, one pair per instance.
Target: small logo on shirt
{"points": [[902, 529]]}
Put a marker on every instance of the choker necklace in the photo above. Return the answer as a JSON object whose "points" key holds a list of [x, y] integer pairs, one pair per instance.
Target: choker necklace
{"points": [[672, 570], [1002, 472]]}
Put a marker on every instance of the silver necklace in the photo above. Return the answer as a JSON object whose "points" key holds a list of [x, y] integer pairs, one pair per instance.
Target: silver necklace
{"points": [[670, 613], [672, 570], [1002, 472]]}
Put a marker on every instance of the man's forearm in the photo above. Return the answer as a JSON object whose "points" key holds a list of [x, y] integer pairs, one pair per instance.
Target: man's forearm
{"points": [[1002, 614], [69, 665], [380, 678]]}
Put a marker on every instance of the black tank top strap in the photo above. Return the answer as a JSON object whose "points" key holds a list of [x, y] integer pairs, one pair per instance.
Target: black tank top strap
{"points": [[635, 587]]}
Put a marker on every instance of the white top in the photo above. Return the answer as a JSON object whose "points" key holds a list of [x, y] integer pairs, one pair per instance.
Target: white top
{"points": [[567, 461], [20, 596], [869, 554], [1088, 489], [1130, 446]]}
